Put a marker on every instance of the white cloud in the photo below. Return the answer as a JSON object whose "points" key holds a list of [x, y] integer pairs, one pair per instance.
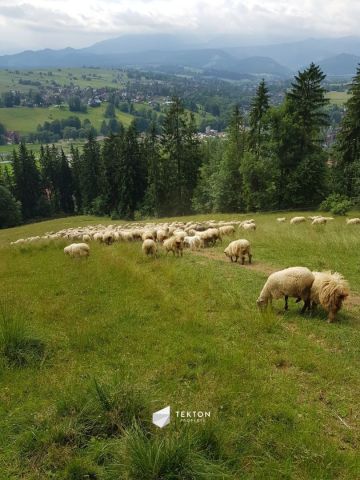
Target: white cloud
{"points": [[59, 23]]}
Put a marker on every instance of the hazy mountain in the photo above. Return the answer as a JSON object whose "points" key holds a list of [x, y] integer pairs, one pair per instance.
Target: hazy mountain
{"points": [[140, 43], [343, 64], [296, 55], [336, 55]]}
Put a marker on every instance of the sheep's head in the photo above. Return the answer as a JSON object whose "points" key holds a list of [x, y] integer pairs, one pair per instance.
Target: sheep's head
{"points": [[226, 252], [261, 302]]}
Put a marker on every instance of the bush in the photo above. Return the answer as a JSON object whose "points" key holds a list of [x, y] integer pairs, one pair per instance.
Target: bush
{"points": [[337, 204]]}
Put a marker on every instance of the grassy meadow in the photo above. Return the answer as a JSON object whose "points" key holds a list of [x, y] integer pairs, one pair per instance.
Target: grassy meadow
{"points": [[90, 348], [338, 98]]}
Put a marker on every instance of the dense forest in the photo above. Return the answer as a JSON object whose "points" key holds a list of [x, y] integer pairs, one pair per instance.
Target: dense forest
{"points": [[276, 162]]}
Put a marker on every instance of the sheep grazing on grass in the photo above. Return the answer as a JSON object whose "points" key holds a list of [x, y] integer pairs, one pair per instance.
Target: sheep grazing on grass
{"points": [[353, 221], [227, 230], [281, 219], [108, 238], [86, 238], [161, 235], [328, 290], [209, 236], [319, 221], [296, 220], [149, 247], [174, 244], [237, 249], [194, 243], [77, 250], [292, 282]]}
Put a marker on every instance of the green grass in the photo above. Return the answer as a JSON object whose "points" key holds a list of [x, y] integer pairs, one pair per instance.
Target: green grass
{"points": [[338, 98], [25, 119], [95, 78], [125, 335]]}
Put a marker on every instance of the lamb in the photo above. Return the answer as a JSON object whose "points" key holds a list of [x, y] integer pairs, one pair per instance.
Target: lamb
{"points": [[77, 250], [149, 247], [281, 219], [353, 221], [238, 248], [296, 220], [174, 244], [329, 290], [291, 282]]}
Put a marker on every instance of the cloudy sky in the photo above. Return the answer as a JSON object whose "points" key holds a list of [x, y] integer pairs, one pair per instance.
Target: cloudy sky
{"points": [[34, 24]]}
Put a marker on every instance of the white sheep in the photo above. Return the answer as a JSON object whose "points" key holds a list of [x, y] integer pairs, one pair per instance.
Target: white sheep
{"points": [[296, 220], [86, 238], [149, 247], [77, 250], [227, 230], [291, 282], [281, 219], [238, 248], [248, 226], [329, 290], [353, 221], [174, 244], [319, 221], [194, 243]]}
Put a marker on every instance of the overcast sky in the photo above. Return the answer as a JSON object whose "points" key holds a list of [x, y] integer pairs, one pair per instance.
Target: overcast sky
{"points": [[34, 24]]}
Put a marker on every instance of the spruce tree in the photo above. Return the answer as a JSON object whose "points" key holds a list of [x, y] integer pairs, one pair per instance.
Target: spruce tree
{"points": [[77, 169], [112, 153], [65, 184], [347, 151], [228, 186], [259, 107], [155, 181], [92, 173], [27, 181]]}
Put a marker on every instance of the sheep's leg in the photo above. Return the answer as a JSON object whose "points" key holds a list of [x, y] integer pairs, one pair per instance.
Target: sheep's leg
{"points": [[242, 260], [306, 306], [250, 257], [286, 302]]}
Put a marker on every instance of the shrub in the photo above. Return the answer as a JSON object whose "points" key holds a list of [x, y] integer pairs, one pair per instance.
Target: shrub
{"points": [[337, 204]]}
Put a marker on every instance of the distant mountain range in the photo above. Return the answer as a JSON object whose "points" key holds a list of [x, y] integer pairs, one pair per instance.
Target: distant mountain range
{"points": [[335, 56]]}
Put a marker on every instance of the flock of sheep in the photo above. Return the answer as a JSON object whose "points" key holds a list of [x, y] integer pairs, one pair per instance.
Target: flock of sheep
{"points": [[315, 288]]}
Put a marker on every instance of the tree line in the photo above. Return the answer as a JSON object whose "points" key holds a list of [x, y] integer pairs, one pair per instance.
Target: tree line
{"points": [[276, 161]]}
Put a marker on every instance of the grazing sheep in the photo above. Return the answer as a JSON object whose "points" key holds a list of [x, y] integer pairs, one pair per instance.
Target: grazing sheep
{"points": [[248, 226], [194, 243], [98, 237], [291, 282], [161, 235], [238, 248], [319, 221], [329, 290], [353, 221], [174, 244], [227, 230], [147, 235], [77, 250], [108, 238], [296, 220], [281, 219], [149, 247], [86, 238]]}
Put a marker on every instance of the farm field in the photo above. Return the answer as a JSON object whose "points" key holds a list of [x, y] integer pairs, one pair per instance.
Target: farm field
{"points": [[83, 77], [338, 98], [105, 342], [25, 119]]}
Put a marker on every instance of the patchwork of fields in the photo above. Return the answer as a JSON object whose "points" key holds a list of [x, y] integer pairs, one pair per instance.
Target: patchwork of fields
{"points": [[105, 342]]}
